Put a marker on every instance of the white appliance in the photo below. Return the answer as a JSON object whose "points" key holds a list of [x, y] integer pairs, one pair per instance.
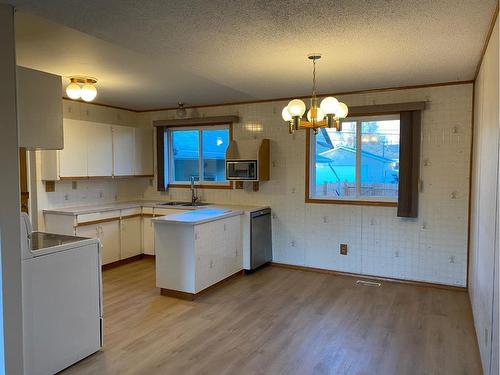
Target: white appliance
{"points": [[62, 299]]}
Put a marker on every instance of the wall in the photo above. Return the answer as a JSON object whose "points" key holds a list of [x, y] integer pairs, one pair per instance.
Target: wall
{"points": [[431, 248], [10, 246], [484, 207], [95, 191]]}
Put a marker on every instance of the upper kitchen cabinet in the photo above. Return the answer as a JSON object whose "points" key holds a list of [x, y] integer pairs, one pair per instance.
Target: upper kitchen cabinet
{"points": [[143, 152], [93, 149], [99, 150], [40, 112], [123, 151]]}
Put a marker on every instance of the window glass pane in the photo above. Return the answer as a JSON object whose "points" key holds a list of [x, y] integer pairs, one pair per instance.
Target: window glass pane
{"points": [[185, 154], [379, 158], [214, 145], [335, 162]]}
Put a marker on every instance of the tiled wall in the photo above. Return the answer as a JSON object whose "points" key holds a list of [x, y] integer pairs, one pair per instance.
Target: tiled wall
{"points": [[431, 248]]}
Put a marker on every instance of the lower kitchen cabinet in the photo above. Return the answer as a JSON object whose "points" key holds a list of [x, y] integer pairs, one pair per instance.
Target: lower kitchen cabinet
{"points": [[109, 235], [218, 251], [148, 236], [130, 237]]}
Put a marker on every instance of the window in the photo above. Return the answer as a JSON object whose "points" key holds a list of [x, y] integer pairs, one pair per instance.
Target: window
{"points": [[198, 152], [359, 163]]}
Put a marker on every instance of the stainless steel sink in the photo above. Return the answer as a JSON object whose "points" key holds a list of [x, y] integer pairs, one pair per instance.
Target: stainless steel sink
{"points": [[197, 204], [184, 204], [174, 203]]}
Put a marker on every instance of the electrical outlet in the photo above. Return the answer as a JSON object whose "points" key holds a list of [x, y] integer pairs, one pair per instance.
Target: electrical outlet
{"points": [[343, 249]]}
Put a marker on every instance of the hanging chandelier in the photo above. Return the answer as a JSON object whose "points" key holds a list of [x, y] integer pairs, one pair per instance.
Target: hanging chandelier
{"points": [[327, 114]]}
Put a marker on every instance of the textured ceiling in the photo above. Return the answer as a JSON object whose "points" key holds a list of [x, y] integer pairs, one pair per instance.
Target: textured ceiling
{"points": [[150, 54]]}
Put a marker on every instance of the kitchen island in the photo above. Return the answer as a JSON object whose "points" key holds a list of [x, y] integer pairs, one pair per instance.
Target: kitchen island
{"points": [[196, 250]]}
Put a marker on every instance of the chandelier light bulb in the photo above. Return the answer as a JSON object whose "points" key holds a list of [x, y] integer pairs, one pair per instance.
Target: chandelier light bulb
{"points": [[320, 115], [329, 105], [342, 110], [285, 114], [73, 90], [89, 92], [296, 108]]}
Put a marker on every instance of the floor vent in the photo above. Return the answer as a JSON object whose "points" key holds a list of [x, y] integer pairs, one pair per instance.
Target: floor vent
{"points": [[368, 283]]}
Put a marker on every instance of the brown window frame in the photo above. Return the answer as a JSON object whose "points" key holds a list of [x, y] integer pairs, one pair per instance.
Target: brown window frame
{"points": [[410, 130]]}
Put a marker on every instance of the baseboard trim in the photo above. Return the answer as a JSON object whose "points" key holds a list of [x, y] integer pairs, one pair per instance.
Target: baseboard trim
{"points": [[121, 262], [370, 277], [192, 296], [148, 256]]}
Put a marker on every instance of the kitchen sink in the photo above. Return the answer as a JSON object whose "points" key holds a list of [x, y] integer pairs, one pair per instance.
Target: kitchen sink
{"points": [[185, 204], [174, 203]]}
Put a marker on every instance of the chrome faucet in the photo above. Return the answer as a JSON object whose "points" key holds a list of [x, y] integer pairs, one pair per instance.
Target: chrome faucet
{"points": [[194, 192]]}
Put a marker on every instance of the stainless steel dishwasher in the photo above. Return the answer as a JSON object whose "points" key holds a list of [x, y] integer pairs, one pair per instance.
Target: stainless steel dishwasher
{"points": [[261, 249]]}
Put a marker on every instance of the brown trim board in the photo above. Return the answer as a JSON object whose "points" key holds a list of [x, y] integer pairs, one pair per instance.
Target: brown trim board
{"points": [[345, 93], [378, 278], [192, 296], [121, 262]]}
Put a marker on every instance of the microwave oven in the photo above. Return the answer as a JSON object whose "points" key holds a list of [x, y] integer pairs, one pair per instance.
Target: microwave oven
{"points": [[241, 170]]}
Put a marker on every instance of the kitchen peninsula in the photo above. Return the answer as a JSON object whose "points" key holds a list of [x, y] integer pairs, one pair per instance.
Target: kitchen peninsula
{"points": [[198, 249]]}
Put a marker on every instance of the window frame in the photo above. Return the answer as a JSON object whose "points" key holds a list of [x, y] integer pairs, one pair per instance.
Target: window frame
{"points": [[169, 165], [358, 200]]}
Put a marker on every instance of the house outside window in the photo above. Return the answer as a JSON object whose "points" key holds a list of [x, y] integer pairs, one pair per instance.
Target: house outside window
{"points": [[198, 152], [360, 163]]}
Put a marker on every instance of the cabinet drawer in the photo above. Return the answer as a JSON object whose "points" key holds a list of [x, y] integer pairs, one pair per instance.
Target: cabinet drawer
{"points": [[131, 211], [97, 216], [147, 210]]}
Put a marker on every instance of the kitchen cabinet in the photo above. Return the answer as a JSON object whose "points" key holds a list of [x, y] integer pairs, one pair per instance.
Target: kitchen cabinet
{"points": [[217, 251], [123, 151], [148, 246], [143, 152], [93, 149], [99, 150], [109, 235], [39, 110], [110, 239], [73, 157], [130, 237]]}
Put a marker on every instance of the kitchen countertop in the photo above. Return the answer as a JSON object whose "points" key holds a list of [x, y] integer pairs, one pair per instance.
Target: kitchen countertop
{"points": [[196, 217], [193, 216]]}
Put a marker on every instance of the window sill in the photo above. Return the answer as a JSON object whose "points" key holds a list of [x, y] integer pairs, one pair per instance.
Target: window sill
{"points": [[353, 202], [202, 186]]}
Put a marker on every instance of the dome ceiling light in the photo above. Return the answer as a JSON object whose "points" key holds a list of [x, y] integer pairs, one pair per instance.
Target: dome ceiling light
{"points": [[330, 108], [81, 87]]}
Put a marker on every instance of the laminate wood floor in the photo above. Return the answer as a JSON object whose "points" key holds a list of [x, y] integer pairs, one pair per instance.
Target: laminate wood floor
{"points": [[281, 321]]}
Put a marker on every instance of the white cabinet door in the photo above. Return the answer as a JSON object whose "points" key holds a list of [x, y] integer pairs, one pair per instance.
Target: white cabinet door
{"points": [[130, 237], [143, 152], [99, 150], [148, 236], [40, 111], [123, 151], [109, 234], [73, 157]]}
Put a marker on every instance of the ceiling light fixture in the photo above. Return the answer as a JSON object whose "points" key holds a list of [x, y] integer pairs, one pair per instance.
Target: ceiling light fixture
{"points": [[82, 87], [330, 108]]}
